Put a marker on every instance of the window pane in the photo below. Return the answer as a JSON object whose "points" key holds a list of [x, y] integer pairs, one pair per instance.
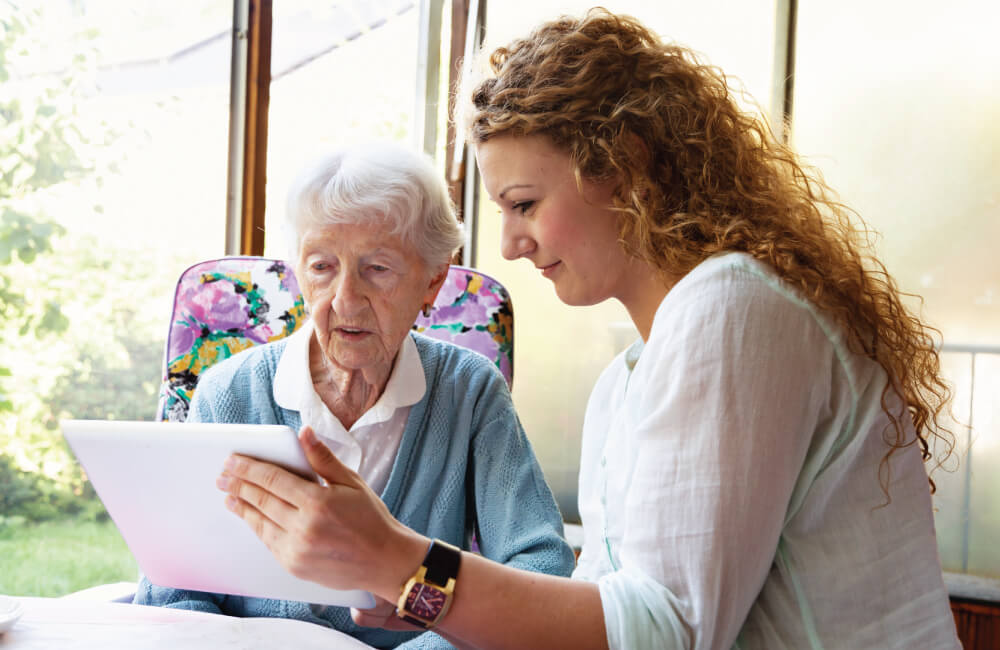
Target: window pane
{"points": [[341, 72], [899, 111], [984, 467], [903, 125], [113, 145], [560, 350], [950, 497], [967, 511]]}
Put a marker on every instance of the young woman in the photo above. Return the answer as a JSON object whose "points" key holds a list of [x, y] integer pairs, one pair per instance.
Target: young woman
{"points": [[753, 467]]}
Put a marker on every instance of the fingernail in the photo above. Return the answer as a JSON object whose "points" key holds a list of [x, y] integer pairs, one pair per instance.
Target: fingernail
{"points": [[231, 502], [223, 482], [230, 463]]}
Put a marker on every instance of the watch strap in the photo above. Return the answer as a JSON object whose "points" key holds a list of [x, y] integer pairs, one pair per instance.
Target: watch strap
{"points": [[414, 621], [441, 562]]}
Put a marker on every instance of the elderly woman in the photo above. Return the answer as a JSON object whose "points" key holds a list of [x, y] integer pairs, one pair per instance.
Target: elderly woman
{"points": [[429, 426]]}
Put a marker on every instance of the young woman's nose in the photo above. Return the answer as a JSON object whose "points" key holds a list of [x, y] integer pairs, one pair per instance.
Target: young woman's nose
{"points": [[514, 240]]}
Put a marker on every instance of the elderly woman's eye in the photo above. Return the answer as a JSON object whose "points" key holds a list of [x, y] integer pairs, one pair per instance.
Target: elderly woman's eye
{"points": [[319, 266], [378, 268]]}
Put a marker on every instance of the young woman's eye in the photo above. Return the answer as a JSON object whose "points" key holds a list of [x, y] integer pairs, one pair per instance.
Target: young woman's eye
{"points": [[522, 206]]}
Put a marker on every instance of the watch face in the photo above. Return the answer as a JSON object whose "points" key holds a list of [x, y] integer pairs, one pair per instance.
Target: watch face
{"points": [[425, 601]]}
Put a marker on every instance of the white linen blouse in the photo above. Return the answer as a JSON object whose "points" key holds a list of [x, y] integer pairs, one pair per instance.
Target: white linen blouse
{"points": [[370, 446], [729, 485]]}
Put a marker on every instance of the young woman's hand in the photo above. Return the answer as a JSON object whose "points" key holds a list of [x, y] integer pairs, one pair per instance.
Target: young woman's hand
{"points": [[340, 535]]}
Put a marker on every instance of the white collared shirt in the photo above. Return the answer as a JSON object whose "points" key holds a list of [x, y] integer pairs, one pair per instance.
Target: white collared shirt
{"points": [[371, 444], [729, 484]]}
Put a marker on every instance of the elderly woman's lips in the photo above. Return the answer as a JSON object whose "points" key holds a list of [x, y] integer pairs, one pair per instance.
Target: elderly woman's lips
{"points": [[351, 332]]}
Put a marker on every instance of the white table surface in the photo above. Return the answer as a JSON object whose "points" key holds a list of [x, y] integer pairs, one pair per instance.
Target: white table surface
{"points": [[72, 624]]}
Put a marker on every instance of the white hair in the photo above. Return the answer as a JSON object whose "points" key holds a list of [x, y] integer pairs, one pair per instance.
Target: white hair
{"points": [[381, 183]]}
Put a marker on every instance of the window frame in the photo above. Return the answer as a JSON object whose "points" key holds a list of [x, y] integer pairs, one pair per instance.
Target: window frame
{"points": [[250, 82]]}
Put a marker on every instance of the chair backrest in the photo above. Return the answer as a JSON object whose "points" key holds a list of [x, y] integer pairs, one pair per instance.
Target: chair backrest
{"points": [[227, 305], [474, 311]]}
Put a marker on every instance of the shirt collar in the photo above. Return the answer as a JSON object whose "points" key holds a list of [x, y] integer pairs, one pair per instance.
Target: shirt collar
{"points": [[406, 385], [293, 380], [632, 354]]}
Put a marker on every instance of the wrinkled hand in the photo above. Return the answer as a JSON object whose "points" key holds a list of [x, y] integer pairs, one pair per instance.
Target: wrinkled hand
{"points": [[382, 615], [340, 535]]}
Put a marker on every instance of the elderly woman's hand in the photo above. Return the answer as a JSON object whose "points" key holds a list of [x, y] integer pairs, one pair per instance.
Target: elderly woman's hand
{"points": [[382, 615], [340, 535]]}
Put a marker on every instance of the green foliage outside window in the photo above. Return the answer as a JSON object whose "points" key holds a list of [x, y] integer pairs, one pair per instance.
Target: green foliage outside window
{"points": [[36, 152], [75, 332]]}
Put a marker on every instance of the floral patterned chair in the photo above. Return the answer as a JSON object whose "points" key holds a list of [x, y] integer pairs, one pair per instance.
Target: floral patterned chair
{"points": [[227, 305]]}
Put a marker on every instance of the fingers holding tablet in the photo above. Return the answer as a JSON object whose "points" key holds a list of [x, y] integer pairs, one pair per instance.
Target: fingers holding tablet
{"points": [[333, 534]]}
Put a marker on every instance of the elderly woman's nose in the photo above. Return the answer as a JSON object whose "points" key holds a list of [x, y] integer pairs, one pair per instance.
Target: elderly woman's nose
{"points": [[514, 242], [349, 297]]}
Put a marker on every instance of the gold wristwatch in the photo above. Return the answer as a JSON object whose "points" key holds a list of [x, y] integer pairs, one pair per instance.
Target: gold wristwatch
{"points": [[427, 595]]}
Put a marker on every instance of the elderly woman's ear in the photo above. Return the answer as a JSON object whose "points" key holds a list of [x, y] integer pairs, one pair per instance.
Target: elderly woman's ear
{"points": [[436, 282]]}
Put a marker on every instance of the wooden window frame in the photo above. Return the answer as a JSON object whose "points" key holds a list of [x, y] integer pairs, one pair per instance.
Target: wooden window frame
{"points": [[250, 97]]}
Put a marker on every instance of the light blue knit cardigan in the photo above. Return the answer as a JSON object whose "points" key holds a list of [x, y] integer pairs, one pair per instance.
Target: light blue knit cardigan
{"points": [[463, 461]]}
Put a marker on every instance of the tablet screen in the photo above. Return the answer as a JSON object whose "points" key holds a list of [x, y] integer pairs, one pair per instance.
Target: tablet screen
{"points": [[157, 481]]}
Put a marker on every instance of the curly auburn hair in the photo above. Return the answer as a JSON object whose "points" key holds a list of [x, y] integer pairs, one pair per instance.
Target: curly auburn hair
{"points": [[698, 176]]}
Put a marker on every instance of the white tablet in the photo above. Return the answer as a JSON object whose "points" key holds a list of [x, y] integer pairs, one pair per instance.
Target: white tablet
{"points": [[157, 481]]}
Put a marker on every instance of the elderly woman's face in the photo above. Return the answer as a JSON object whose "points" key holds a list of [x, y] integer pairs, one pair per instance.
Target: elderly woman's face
{"points": [[364, 289]]}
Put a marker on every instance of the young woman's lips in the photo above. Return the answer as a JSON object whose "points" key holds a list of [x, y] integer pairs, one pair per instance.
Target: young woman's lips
{"points": [[547, 271]]}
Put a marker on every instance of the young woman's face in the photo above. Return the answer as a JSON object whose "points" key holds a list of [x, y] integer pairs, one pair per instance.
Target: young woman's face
{"points": [[572, 238]]}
